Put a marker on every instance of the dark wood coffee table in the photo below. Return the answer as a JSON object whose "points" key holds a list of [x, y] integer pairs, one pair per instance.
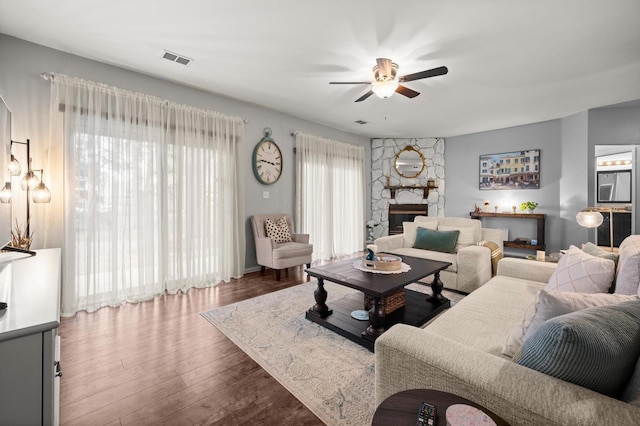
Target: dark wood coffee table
{"points": [[418, 309], [402, 408]]}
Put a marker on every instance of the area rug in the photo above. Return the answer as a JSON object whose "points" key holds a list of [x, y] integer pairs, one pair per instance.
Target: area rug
{"points": [[329, 374]]}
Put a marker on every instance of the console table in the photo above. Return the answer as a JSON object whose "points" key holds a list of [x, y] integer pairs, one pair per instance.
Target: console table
{"points": [[539, 218], [29, 362]]}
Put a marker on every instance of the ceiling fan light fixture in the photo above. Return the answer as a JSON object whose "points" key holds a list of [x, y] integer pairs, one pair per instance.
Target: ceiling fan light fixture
{"points": [[384, 89]]}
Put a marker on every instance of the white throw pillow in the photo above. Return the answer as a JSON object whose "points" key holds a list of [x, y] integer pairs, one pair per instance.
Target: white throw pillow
{"points": [[628, 278], [550, 304], [580, 272], [409, 230], [467, 236]]}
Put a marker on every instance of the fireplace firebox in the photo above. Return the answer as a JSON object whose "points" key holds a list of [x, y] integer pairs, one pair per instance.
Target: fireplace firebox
{"points": [[399, 213]]}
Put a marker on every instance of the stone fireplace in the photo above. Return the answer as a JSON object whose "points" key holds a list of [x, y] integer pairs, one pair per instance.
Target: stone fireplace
{"points": [[410, 198], [399, 213]]}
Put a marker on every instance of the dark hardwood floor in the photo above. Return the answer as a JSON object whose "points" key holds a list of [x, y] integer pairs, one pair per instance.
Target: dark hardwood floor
{"points": [[161, 363]]}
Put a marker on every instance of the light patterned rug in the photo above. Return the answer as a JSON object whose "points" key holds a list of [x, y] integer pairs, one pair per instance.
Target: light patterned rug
{"points": [[329, 374]]}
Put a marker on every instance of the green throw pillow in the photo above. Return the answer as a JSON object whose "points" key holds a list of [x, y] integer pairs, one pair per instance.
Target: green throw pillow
{"points": [[596, 348], [444, 241]]}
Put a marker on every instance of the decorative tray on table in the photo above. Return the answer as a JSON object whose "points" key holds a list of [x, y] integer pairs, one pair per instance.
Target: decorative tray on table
{"points": [[384, 262]]}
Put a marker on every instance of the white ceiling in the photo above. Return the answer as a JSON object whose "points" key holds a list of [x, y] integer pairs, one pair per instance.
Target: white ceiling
{"points": [[510, 62]]}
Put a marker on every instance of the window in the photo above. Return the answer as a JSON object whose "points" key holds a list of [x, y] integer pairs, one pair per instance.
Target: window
{"points": [[154, 204]]}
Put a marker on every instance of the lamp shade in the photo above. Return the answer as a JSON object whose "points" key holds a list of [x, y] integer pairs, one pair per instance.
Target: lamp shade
{"points": [[41, 194], [384, 89], [14, 166], [5, 193], [589, 218], [29, 180]]}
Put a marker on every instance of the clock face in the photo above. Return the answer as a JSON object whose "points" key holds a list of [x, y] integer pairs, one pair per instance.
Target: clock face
{"points": [[267, 162]]}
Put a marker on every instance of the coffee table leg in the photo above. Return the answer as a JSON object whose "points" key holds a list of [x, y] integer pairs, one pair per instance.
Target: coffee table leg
{"points": [[320, 294], [376, 319], [436, 288]]}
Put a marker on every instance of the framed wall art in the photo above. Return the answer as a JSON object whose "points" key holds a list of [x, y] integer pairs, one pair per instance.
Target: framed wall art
{"points": [[510, 170]]}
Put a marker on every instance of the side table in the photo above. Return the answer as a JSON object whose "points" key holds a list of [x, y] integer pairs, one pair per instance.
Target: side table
{"points": [[402, 408]]}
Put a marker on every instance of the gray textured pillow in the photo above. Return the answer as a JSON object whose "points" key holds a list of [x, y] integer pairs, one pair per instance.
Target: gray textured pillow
{"points": [[596, 348], [596, 251]]}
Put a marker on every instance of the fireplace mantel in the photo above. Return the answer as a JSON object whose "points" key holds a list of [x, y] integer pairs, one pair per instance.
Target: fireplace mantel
{"points": [[425, 189]]}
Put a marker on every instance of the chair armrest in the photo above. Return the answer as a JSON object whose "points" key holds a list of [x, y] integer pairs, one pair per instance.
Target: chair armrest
{"points": [[474, 267], [264, 251], [525, 269], [300, 238], [390, 242], [408, 357]]}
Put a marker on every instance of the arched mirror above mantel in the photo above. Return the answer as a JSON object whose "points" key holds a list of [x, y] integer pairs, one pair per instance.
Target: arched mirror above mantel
{"points": [[409, 163]]}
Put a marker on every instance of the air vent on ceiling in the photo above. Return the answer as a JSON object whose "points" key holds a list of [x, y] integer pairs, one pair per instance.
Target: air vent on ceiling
{"points": [[174, 57]]}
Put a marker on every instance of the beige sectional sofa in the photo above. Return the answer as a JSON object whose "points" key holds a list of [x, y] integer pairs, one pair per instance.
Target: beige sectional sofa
{"points": [[470, 264], [461, 352]]}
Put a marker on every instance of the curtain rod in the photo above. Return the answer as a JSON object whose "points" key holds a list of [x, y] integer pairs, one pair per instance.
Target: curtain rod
{"points": [[48, 75]]}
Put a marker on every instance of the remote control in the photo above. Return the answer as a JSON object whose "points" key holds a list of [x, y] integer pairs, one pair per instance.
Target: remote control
{"points": [[427, 415]]}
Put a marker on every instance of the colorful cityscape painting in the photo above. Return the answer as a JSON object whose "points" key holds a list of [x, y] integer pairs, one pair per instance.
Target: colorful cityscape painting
{"points": [[510, 170]]}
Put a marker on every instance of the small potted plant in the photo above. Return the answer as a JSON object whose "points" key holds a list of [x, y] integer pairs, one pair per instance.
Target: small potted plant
{"points": [[529, 206]]}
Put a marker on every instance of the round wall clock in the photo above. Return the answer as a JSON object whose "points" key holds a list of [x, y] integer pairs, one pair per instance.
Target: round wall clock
{"points": [[267, 160]]}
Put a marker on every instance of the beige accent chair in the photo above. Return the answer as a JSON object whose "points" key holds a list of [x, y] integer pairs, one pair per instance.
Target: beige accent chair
{"points": [[279, 256]]}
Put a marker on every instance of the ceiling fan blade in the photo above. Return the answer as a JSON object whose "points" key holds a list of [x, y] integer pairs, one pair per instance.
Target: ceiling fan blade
{"points": [[365, 96], [406, 91], [384, 66], [424, 74], [349, 82]]}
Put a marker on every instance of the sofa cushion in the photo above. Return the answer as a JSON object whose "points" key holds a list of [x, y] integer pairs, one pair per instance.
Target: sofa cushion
{"points": [[409, 231], [550, 304], [628, 276], [428, 254], [456, 222], [596, 251], [466, 237], [579, 347], [580, 272], [443, 241], [279, 230], [289, 250], [631, 393], [494, 306]]}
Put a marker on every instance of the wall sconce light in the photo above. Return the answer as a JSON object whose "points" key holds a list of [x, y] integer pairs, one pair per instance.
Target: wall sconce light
{"points": [[29, 183]]}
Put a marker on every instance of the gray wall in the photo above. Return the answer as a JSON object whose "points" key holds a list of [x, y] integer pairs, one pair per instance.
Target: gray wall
{"points": [[573, 191], [27, 94], [617, 125], [462, 162], [567, 169]]}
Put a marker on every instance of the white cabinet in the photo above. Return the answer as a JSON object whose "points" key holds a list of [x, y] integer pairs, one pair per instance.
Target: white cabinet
{"points": [[28, 341]]}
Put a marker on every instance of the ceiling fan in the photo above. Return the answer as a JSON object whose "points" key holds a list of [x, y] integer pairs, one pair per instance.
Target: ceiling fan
{"points": [[386, 80]]}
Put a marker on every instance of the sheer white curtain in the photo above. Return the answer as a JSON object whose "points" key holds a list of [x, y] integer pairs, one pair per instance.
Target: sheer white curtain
{"points": [[330, 195], [153, 195]]}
